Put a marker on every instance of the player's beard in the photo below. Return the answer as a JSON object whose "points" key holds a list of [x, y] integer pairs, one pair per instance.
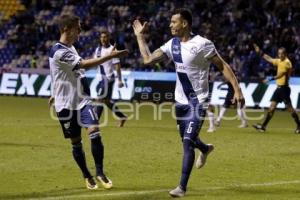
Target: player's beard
{"points": [[174, 32]]}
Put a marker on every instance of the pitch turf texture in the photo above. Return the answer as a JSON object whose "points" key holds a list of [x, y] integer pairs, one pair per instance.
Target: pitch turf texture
{"points": [[144, 158]]}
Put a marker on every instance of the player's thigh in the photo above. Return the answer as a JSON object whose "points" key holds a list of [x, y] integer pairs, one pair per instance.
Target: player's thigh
{"points": [[286, 92], [182, 112], [102, 88], [69, 123], [194, 123], [273, 105], [110, 89], [277, 95]]}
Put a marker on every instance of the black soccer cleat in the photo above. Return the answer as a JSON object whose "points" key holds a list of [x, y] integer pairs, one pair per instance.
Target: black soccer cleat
{"points": [[91, 184], [297, 131], [259, 128]]}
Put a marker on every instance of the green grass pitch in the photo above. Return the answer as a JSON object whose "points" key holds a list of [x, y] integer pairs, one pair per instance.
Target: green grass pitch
{"points": [[143, 159]]}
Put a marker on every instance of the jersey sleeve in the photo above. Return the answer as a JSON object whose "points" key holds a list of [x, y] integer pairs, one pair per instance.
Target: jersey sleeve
{"points": [[275, 62], [166, 49], [67, 58], [209, 49], [287, 66], [115, 60]]}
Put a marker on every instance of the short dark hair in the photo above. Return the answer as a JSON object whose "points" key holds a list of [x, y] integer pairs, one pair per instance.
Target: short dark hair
{"points": [[67, 21], [186, 14], [105, 31], [283, 50]]}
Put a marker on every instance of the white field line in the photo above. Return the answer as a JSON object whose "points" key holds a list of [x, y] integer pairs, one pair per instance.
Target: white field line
{"points": [[146, 192]]}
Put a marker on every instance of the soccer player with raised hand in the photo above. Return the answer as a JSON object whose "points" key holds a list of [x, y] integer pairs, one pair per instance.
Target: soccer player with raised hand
{"points": [[70, 95], [282, 94], [192, 55]]}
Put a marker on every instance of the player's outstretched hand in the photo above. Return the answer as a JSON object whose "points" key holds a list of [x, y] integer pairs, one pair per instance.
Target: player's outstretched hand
{"points": [[138, 27], [239, 99], [265, 81], [118, 53]]}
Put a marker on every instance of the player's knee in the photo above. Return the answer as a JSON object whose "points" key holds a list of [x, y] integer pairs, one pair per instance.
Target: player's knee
{"points": [[188, 144], [211, 108], [76, 142], [92, 129], [94, 132], [271, 109], [290, 108]]}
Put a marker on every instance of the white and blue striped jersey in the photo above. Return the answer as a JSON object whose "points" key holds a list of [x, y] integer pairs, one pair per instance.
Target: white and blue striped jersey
{"points": [[67, 80], [107, 68], [192, 63]]}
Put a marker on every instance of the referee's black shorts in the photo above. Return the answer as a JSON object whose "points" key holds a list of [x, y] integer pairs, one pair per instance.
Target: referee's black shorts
{"points": [[282, 94]]}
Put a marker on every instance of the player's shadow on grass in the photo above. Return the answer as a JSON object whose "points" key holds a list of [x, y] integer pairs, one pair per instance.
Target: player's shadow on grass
{"points": [[68, 192], [58, 193], [14, 144]]}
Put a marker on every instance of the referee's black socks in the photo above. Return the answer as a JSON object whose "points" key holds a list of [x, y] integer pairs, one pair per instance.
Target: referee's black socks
{"points": [[296, 118]]}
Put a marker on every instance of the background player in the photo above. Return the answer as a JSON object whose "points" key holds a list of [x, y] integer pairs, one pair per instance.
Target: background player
{"points": [[228, 102], [107, 76], [283, 91], [192, 55]]}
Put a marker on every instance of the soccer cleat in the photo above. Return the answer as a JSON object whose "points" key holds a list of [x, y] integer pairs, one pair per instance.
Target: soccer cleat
{"points": [[122, 122], [243, 125], [106, 182], [211, 130], [91, 184], [203, 156], [259, 128], [177, 192], [217, 123], [297, 130]]}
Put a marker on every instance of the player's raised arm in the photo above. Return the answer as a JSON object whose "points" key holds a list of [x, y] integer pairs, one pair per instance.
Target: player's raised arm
{"points": [[148, 57], [263, 55], [229, 75], [93, 62]]}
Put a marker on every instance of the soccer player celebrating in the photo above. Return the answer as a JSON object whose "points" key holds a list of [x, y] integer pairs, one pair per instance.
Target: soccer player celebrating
{"points": [[192, 55], [283, 91], [107, 76], [71, 101]]}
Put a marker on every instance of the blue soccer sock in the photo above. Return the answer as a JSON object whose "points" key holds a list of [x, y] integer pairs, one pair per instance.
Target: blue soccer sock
{"points": [[79, 157], [187, 163], [97, 149]]}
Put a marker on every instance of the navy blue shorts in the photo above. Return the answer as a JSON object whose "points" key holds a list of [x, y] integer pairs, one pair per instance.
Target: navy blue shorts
{"points": [[72, 120], [69, 123], [89, 116], [190, 119], [105, 88]]}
